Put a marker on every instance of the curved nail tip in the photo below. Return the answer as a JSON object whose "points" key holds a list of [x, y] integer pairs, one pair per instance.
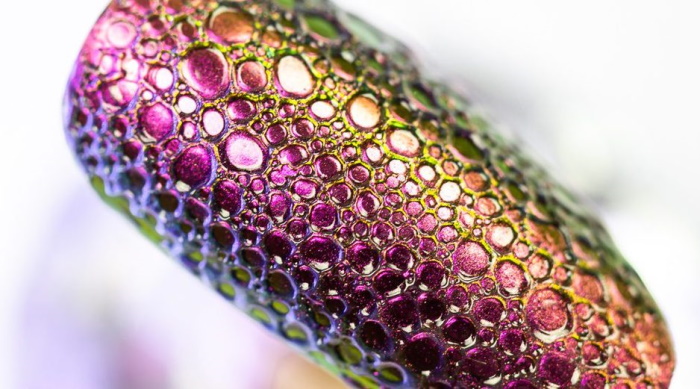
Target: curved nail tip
{"points": [[294, 158]]}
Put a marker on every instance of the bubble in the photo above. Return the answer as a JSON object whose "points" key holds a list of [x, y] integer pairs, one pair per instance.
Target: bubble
{"points": [[362, 257], [121, 34], [162, 78], [488, 206], [187, 104], [278, 246], [227, 197], [213, 122], [593, 380], [400, 312], [556, 368], [206, 71], [280, 284], [242, 110], [488, 311], [539, 266], [359, 174], [157, 121], [252, 76], [276, 134], [328, 167], [450, 192], [520, 384], [593, 354], [294, 77], [512, 341], [588, 286], [230, 25], [482, 363], [241, 151], [511, 278], [373, 335], [547, 311], [194, 166], [303, 128], [367, 204], [222, 234], [322, 110], [470, 259], [293, 155], [323, 217], [308, 190], [400, 257], [430, 275], [320, 27], [430, 307], [404, 142], [364, 112], [423, 353], [388, 282], [459, 330], [500, 236], [320, 252]]}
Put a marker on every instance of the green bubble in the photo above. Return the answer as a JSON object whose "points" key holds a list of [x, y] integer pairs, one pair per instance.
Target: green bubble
{"points": [[296, 333], [321, 26], [288, 4], [349, 353], [465, 145], [227, 290], [280, 307], [260, 315]]}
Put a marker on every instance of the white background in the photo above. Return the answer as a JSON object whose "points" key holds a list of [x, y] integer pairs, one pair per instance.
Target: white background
{"points": [[607, 93]]}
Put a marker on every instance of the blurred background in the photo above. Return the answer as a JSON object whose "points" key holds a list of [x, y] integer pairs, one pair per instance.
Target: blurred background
{"points": [[607, 93]]}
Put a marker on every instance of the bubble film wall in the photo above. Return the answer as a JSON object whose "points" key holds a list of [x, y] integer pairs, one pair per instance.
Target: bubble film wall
{"points": [[294, 159]]}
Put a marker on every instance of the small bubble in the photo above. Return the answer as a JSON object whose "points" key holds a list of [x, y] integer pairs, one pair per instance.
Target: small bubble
{"points": [[511, 278], [500, 236], [194, 166], [157, 121], [322, 110], [363, 258], [252, 76], [121, 34], [242, 110], [230, 25], [213, 122], [547, 312], [556, 368], [470, 260], [450, 192], [459, 330], [240, 151], [206, 71], [482, 363], [294, 77], [423, 353], [186, 104], [373, 334], [404, 142], [303, 128], [321, 252], [364, 112]]}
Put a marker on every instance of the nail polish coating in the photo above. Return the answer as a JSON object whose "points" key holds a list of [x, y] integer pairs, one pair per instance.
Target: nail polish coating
{"points": [[295, 159]]}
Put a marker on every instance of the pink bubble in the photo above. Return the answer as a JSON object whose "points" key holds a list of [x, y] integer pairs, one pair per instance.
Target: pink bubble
{"points": [[206, 71], [241, 151], [471, 259], [157, 121]]}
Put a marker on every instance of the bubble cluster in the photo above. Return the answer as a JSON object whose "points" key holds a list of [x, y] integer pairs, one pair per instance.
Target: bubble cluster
{"points": [[295, 159]]}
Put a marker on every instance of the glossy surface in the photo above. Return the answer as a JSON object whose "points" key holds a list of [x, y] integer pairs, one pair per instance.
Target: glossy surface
{"points": [[295, 160]]}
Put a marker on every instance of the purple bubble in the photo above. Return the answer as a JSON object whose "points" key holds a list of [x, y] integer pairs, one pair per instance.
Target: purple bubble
{"points": [[194, 166]]}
